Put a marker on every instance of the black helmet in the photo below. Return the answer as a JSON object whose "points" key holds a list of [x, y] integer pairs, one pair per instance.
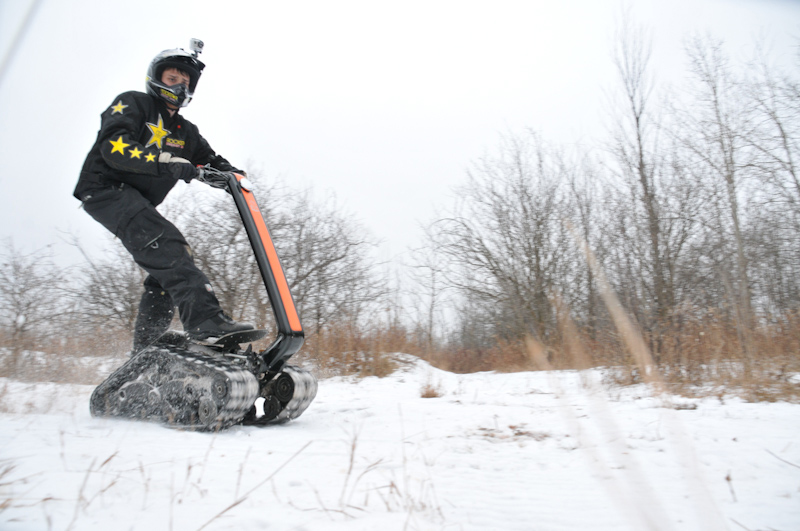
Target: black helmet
{"points": [[179, 95]]}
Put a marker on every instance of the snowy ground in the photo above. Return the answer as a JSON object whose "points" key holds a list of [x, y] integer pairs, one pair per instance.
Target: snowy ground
{"points": [[527, 451]]}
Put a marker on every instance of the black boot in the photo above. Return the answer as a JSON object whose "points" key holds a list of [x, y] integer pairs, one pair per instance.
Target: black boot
{"points": [[217, 326], [154, 317]]}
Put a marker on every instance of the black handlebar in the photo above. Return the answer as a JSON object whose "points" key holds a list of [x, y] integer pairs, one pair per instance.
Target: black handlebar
{"points": [[214, 177]]}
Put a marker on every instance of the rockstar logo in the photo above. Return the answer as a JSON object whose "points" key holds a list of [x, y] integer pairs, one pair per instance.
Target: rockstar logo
{"points": [[119, 146], [158, 133], [136, 153], [118, 108], [150, 157]]}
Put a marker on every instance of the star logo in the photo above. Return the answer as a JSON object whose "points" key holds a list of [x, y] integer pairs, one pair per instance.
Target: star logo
{"points": [[150, 157], [136, 153], [158, 133], [118, 108], [119, 146]]}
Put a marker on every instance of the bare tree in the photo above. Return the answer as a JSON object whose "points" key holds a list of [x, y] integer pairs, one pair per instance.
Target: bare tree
{"points": [[636, 150], [31, 299], [586, 221], [427, 274], [655, 210], [714, 128], [774, 99], [108, 290], [327, 259], [505, 244]]}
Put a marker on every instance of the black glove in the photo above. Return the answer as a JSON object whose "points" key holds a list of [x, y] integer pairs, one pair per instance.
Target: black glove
{"points": [[177, 167], [182, 171]]}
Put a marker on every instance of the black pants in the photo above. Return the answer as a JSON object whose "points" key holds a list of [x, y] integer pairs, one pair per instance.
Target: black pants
{"points": [[159, 248]]}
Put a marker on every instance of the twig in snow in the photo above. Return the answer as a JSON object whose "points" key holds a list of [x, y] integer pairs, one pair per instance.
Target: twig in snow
{"points": [[241, 471], [80, 494], [325, 509], [369, 468], [171, 498], [249, 492], [205, 459], [104, 463], [353, 446], [104, 489], [146, 482], [730, 486], [61, 444], [740, 525], [782, 459]]}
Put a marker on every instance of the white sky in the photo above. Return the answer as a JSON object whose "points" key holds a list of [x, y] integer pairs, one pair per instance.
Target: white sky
{"points": [[383, 104]]}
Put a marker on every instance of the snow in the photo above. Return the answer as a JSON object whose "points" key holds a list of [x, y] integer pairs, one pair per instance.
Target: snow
{"points": [[531, 450]]}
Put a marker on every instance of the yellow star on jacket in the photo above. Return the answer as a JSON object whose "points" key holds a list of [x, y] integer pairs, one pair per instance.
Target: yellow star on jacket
{"points": [[158, 133], [150, 157], [118, 108], [136, 153], [119, 146]]}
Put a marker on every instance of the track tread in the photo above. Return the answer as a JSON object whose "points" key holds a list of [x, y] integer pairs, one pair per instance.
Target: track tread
{"points": [[178, 387]]}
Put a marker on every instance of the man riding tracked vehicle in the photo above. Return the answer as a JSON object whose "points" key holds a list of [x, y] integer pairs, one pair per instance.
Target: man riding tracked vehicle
{"points": [[143, 148], [203, 378]]}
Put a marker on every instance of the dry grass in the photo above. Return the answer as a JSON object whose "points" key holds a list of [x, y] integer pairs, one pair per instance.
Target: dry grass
{"points": [[706, 358], [504, 356], [81, 359], [699, 357], [342, 349], [6, 480], [347, 349], [430, 389], [702, 357]]}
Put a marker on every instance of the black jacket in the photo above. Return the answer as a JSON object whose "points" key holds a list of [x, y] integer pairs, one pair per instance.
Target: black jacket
{"points": [[134, 131]]}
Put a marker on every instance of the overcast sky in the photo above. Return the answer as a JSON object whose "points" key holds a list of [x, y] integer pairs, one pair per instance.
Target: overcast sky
{"points": [[382, 104]]}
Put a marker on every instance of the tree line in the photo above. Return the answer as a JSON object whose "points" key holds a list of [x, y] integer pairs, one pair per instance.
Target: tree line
{"points": [[690, 208]]}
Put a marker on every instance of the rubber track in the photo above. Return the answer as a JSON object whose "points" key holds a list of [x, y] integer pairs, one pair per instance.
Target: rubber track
{"points": [[305, 390], [178, 387]]}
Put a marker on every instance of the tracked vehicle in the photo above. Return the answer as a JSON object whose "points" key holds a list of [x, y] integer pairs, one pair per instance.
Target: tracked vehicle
{"points": [[218, 383]]}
